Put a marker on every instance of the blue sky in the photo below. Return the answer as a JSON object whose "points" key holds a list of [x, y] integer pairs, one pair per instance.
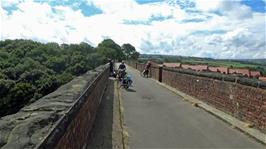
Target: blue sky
{"points": [[204, 28], [256, 5]]}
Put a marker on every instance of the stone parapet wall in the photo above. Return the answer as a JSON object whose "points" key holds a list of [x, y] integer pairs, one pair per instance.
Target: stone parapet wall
{"points": [[61, 119]]}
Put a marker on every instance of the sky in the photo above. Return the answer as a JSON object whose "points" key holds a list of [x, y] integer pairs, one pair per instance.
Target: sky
{"points": [[220, 29]]}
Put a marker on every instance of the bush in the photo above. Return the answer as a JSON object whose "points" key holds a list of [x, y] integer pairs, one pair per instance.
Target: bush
{"points": [[229, 78], [262, 84], [248, 81]]}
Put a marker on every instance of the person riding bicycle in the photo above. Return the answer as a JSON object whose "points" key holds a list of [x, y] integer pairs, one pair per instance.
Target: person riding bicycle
{"points": [[121, 70], [122, 65], [126, 81], [147, 68]]}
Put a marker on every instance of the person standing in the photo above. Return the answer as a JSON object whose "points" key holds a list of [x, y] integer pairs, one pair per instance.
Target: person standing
{"points": [[147, 68], [111, 64]]}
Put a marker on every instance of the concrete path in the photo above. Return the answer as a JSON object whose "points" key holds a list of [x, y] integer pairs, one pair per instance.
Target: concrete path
{"points": [[157, 118]]}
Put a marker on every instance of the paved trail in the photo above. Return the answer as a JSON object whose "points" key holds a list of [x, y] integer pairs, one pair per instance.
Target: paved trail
{"points": [[157, 118]]}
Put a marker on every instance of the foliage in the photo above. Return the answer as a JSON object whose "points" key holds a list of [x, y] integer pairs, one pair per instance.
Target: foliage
{"points": [[30, 70], [108, 48], [130, 51]]}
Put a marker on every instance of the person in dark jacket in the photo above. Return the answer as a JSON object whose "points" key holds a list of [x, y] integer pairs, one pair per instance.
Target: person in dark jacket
{"points": [[121, 70], [147, 68], [111, 64], [122, 65]]}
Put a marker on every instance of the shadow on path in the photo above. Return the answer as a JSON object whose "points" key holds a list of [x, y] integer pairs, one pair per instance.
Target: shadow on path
{"points": [[101, 135], [130, 90]]}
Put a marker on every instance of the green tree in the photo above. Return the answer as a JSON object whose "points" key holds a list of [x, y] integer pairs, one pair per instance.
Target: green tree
{"points": [[77, 69], [107, 52], [130, 51], [110, 49], [3, 55], [47, 85], [5, 86], [57, 64], [33, 76], [64, 78], [22, 92], [30, 70]]}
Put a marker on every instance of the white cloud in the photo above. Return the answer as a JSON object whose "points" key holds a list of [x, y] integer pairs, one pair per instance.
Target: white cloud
{"points": [[207, 5], [8, 3], [237, 33], [114, 6], [234, 9], [130, 10], [241, 38], [37, 21]]}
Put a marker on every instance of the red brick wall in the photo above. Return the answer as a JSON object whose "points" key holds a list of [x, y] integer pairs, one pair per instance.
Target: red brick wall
{"points": [[256, 74], [172, 65], [200, 67], [262, 78], [154, 72], [219, 69], [239, 71], [140, 67], [77, 132], [244, 102], [214, 69], [132, 63], [186, 66]]}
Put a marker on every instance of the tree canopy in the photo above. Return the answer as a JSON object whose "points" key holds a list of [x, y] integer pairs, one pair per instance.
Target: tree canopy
{"points": [[30, 69], [130, 51], [110, 49]]}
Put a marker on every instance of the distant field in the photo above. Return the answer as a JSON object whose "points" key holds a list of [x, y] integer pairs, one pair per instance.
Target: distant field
{"points": [[253, 64]]}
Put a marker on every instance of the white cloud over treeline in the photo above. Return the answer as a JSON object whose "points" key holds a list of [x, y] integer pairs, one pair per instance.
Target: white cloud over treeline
{"points": [[217, 29]]}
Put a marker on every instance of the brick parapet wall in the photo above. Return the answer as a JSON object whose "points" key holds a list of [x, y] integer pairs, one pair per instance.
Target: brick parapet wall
{"points": [[140, 67], [154, 72], [244, 102]]}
